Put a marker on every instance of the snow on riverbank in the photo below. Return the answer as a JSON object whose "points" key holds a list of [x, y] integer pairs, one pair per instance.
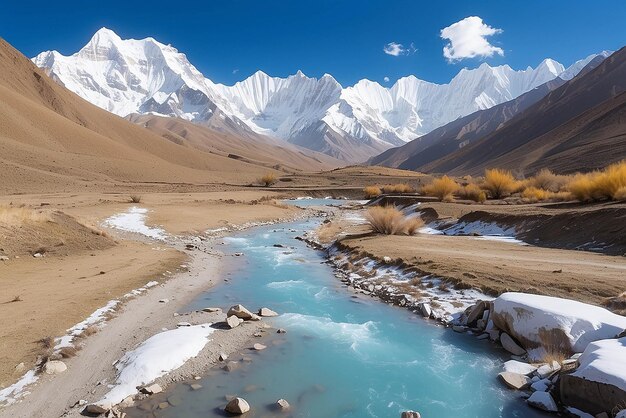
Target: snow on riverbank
{"points": [[14, 392], [485, 231], [134, 220], [155, 357], [529, 318]]}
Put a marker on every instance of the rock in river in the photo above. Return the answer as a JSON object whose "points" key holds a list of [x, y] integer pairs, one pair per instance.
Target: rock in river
{"points": [[267, 312], [240, 312], [237, 406], [515, 380]]}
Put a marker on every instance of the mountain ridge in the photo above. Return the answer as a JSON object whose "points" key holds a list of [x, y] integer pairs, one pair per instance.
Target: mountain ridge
{"points": [[146, 76]]}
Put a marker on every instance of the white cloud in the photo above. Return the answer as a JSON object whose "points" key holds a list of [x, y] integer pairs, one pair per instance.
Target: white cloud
{"points": [[395, 49], [468, 39], [236, 70], [386, 79]]}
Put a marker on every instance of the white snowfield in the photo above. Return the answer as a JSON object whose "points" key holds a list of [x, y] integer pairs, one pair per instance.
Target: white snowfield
{"points": [[531, 316], [604, 361], [155, 357], [146, 76], [134, 220]]}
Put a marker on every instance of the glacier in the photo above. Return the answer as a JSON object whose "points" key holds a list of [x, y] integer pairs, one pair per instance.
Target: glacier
{"points": [[128, 76]]}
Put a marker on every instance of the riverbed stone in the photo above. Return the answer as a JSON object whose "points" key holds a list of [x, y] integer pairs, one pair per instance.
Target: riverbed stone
{"points": [[515, 380], [543, 401], [281, 331], [459, 328], [152, 389], [212, 310], [519, 367], [239, 311], [237, 406], [97, 408], [494, 334], [267, 312], [282, 404], [259, 347], [223, 357], [410, 414], [232, 321], [547, 370], [425, 309], [476, 312], [510, 345], [54, 367]]}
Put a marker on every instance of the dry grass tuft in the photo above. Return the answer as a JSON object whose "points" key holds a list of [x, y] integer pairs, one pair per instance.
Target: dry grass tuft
{"points": [[620, 194], [472, 192], [372, 191], [46, 342], [18, 298], [533, 194], [389, 220], [69, 352], [134, 198], [397, 188], [267, 179], [442, 188], [608, 184], [499, 183], [10, 216], [547, 180]]}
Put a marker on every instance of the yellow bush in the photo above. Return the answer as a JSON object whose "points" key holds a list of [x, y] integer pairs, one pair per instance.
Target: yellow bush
{"points": [[535, 194], [372, 191], [267, 179], [472, 192], [389, 220], [620, 194], [547, 180], [600, 185], [441, 188], [397, 188], [12, 216], [499, 183]]}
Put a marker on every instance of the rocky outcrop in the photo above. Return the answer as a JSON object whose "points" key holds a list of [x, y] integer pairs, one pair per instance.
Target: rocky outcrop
{"points": [[237, 406]]}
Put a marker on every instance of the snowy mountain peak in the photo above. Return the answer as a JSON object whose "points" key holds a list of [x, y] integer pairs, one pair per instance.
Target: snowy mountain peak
{"points": [[128, 76]]}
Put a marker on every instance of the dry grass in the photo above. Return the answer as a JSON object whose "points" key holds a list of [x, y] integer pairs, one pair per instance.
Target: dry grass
{"points": [[547, 180], [372, 191], [12, 216], [18, 298], [46, 342], [534, 194], [608, 184], [68, 352], [472, 192], [134, 198], [389, 220], [442, 188], [267, 179], [499, 183], [397, 188]]}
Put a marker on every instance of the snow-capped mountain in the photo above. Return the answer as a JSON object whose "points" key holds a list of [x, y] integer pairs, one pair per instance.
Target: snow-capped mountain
{"points": [[146, 76]]}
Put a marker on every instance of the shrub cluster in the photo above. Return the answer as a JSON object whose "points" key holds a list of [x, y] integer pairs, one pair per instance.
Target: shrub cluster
{"points": [[442, 188], [389, 220]]}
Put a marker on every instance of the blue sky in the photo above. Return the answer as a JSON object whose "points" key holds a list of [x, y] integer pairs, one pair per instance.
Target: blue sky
{"points": [[229, 40]]}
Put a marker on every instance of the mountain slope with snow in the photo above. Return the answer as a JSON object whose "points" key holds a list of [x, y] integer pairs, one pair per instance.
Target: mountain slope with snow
{"points": [[148, 77]]}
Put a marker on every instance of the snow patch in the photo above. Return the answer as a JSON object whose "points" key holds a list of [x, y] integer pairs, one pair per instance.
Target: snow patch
{"points": [[155, 357], [604, 362], [134, 220], [13, 393]]}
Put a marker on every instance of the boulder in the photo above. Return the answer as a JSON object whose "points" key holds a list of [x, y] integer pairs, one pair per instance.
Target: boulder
{"points": [[535, 320], [425, 309], [232, 321], [543, 401], [548, 370], [240, 312], [476, 312], [54, 367], [410, 414], [152, 389], [267, 312], [599, 383], [195, 386], [510, 345], [97, 409], [621, 414], [282, 404], [259, 347], [515, 380], [237, 406], [281, 331], [519, 367], [541, 385], [494, 334]]}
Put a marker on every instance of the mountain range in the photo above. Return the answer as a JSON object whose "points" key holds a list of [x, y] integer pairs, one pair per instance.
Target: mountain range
{"points": [[146, 77], [567, 126]]}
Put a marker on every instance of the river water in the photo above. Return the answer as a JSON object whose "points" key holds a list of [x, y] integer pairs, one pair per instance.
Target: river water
{"points": [[343, 355]]}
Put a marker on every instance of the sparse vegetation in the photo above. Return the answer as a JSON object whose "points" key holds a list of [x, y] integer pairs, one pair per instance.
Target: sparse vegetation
{"points": [[267, 179], [442, 188], [548, 181], [68, 352], [16, 216], [372, 191], [608, 184], [46, 342], [397, 188], [18, 298], [499, 183], [134, 198], [472, 192], [389, 220]]}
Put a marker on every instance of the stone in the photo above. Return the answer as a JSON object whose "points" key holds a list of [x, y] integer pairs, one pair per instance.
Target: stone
{"points": [[569, 364], [127, 402], [54, 367], [483, 336], [163, 405], [232, 321], [97, 409], [515, 380], [494, 334], [211, 310], [231, 365], [588, 395], [410, 414], [281, 331], [237, 406], [20, 368], [476, 313], [548, 369], [519, 367], [4, 258], [541, 385], [255, 317], [38, 255], [195, 386], [458, 328], [183, 324], [152, 389], [510, 345], [425, 309], [282, 404], [164, 300], [387, 259], [223, 357], [259, 347], [543, 401], [481, 324], [240, 312]]}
